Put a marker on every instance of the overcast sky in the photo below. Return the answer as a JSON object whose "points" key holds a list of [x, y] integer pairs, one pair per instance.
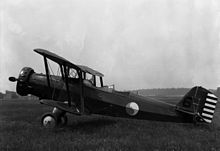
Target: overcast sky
{"points": [[135, 43]]}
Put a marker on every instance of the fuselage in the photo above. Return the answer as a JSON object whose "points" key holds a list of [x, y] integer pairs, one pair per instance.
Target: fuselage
{"points": [[98, 100]]}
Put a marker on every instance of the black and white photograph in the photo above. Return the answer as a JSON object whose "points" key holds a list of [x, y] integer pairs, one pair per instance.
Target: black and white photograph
{"points": [[109, 75]]}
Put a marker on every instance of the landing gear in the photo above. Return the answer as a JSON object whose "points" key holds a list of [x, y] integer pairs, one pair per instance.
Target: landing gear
{"points": [[54, 119]]}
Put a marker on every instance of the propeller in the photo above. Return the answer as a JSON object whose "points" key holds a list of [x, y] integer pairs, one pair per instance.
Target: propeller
{"points": [[12, 79]]}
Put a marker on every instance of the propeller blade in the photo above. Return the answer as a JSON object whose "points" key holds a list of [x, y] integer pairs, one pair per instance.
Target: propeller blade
{"points": [[12, 79]]}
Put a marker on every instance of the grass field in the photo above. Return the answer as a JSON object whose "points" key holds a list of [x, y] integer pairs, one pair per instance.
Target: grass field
{"points": [[20, 130]]}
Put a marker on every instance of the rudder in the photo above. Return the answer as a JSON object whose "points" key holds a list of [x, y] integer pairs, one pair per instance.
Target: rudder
{"points": [[208, 109]]}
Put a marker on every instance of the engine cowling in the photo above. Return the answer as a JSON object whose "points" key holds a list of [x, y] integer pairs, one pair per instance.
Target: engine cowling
{"points": [[22, 81]]}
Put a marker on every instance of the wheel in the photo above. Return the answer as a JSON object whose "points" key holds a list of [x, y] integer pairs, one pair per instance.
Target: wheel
{"points": [[63, 120], [49, 120]]}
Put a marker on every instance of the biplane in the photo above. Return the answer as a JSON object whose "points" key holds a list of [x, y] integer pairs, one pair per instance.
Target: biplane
{"points": [[80, 90]]}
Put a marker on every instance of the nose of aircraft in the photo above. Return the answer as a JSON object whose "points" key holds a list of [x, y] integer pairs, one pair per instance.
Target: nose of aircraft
{"points": [[22, 80]]}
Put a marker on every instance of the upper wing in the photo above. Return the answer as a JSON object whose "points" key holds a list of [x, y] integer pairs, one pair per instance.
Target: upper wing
{"points": [[89, 70], [60, 60], [54, 57]]}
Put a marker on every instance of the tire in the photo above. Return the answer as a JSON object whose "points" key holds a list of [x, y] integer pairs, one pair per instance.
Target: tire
{"points": [[49, 120]]}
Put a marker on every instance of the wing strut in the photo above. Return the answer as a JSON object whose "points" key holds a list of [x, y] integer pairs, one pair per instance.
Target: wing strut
{"points": [[61, 70], [81, 92], [67, 86], [47, 73]]}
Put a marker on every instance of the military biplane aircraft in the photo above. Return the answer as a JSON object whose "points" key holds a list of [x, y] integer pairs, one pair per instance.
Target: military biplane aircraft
{"points": [[72, 92]]}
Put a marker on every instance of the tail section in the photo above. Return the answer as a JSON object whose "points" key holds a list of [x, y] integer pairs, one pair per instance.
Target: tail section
{"points": [[198, 104]]}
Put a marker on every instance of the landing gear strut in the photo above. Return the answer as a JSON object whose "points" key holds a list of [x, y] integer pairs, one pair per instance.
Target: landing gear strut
{"points": [[54, 119]]}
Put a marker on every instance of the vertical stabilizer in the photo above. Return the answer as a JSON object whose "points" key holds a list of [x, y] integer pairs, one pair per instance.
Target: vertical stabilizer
{"points": [[199, 103]]}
